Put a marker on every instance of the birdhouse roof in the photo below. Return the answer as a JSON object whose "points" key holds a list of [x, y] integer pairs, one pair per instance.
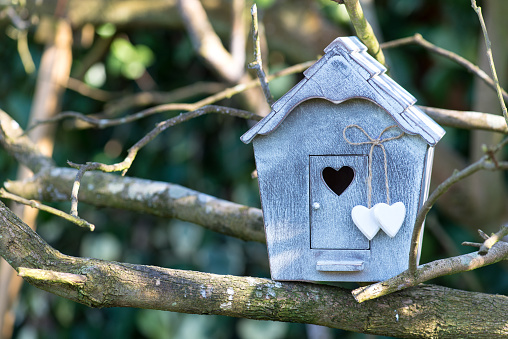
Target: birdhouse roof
{"points": [[347, 71]]}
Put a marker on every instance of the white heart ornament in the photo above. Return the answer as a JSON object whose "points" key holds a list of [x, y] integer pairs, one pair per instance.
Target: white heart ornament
{"points": [[365, 221], [390, 218]]}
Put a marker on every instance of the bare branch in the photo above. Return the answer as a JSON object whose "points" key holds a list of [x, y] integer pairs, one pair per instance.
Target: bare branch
{"points": [[88, 91], [238, 35], [124, 165], [491, 59], [99, 283], [483, 235], [485, 163], [20, 146], [467, 119], [157, 98], [157, 198], [438, 268], [35, 204], [225, 94], [257, 64], [489, 242], [472, 244], [363, 29], [419, 40], [206, 42]]}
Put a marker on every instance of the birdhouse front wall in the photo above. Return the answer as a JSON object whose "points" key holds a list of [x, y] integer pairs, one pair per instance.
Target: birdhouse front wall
{"points": [[310, 178]]}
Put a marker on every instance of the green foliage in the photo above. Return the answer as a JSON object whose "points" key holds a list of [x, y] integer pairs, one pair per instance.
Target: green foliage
{"points": [[129, 60]]}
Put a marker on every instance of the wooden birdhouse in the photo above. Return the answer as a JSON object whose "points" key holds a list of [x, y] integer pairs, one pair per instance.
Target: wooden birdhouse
{"points": [[344, 162]]}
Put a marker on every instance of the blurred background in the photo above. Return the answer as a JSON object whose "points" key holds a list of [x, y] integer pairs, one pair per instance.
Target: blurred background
{"points": [[128, 47]]}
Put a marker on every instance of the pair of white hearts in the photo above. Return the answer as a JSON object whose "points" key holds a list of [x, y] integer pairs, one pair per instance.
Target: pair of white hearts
{"points": [[370, 220]]}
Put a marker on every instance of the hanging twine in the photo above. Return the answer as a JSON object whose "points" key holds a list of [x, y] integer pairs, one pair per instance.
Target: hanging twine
{"points": [[374, 142]]}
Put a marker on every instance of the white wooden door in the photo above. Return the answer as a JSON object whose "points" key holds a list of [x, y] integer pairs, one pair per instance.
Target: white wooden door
{"points": [[337, 184]]}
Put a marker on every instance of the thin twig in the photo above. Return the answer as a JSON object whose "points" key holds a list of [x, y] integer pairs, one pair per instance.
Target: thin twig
{"points": [[478, 11], [34, 204], [438, 268], [483, 163], [472, 244], [490, 241], [257, 64], [88, 91], [158, 98], [225, 94], [124, 165], [419, 40], [483, 235]]}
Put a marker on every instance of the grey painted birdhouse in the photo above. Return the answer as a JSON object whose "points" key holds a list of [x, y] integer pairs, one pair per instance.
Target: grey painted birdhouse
{"points": [[344, 162]]}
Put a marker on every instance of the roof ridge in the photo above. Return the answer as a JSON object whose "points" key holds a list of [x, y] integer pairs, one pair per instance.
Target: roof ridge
{"points": [[347, 71]]}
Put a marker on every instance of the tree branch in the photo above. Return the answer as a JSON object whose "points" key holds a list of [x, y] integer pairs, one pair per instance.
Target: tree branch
{"points": [[491, 59], [206, 42], [363, 29], [485, 163], [225, 94], [438, 268], [257, 64], [34, 204], [145, 196], [424, 311], [14, 141], [492, 240], [467, 119], [124, 165], [419, 40]]}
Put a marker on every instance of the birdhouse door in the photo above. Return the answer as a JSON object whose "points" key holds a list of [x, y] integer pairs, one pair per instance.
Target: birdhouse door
{"points": [[337, 184]]}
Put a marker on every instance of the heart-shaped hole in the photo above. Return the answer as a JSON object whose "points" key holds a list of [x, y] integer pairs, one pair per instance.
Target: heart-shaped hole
{"points": [[338, 180]]}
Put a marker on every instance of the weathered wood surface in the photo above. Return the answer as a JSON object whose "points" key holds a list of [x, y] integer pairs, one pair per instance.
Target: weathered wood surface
{"points": [[297, 237], [309, 228]]}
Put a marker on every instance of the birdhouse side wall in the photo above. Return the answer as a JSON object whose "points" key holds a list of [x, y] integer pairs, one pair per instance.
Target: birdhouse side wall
{"points": [[301, 232]]}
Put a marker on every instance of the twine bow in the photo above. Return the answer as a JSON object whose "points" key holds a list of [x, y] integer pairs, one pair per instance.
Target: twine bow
{"points": [[374, 142]]}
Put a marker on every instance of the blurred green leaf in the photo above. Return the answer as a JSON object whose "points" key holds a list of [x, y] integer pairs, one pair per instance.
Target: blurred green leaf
{"points": [[256, 329], [129, 60]]}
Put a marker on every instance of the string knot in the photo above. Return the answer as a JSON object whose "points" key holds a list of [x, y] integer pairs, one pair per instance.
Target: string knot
{"points": [[374, 142]]}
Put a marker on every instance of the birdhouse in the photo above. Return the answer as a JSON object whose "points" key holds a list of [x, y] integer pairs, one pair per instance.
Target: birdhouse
{"points": [[343, 162]]}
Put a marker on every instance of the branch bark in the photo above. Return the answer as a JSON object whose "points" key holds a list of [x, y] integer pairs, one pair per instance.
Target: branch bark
{"points": [[425, 311], [145, 196], [438, 268], [206, 42], [363, 29], [467, 119]]}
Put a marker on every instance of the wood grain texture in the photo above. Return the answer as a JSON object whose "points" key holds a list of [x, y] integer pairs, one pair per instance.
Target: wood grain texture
{"points": [[309, 229], [289, 161]]}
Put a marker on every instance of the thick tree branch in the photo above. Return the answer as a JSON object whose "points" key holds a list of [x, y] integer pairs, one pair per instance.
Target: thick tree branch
{"points": [[467, 119], [145, 196], [421, 312]]}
